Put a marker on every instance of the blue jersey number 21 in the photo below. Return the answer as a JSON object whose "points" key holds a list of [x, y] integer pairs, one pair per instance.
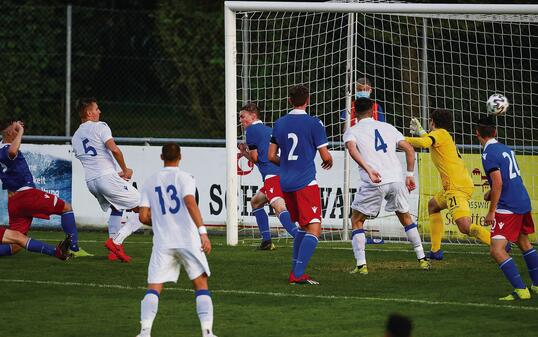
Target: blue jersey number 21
{"points": [[379, 143], [171, 189]]}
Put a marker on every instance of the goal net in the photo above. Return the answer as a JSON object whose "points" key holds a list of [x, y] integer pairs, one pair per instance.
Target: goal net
{"points": [[415, 61]]}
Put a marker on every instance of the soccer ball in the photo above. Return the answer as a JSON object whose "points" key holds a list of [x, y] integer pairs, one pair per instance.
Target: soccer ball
{"points": [[497, 104]]}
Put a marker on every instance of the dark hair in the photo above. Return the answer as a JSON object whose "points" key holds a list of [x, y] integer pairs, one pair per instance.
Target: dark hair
{"points": [[399, 326], [364, 81], [486, 127], [171, 152], [442, 118], [82, 104], [298, 95], [363, 105], [251, 107]]}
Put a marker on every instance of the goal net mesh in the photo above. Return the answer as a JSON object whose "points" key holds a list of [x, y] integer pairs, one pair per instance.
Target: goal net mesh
{"points": [[415, 63]]}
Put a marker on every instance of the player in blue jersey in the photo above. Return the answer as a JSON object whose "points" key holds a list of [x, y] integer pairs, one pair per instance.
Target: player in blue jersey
{"points": [[25, 201], [257, 137], [510, 210], [299, 137]]}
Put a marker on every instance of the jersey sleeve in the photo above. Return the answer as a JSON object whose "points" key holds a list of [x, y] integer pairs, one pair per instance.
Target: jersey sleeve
{"points": [[144, 195], [250, 138], [349, 136], [187, 185], [398, 136], [104, 132], [490, 163], [320, 136], [4, 154], [274, 134]]}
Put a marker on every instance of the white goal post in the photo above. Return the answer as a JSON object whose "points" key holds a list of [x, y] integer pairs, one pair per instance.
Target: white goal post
{"points": [[418, 56]]}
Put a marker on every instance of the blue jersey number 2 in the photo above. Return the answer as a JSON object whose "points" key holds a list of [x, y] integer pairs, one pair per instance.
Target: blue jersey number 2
{"points": [[171, 189], [88, 148], [379, 143]]}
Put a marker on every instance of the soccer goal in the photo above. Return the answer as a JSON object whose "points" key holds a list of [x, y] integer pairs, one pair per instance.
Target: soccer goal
{"points": [[416, 56]]}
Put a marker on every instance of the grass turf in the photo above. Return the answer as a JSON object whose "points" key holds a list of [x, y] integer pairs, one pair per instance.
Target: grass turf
{"points": [[91, 296]]}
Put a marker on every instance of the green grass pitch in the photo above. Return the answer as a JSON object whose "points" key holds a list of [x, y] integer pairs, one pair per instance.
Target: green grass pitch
{"points": [[45, 297]]}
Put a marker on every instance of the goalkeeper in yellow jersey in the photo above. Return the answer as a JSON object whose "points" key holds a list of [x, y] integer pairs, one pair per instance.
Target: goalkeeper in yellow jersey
{"points": [[457, 183]]}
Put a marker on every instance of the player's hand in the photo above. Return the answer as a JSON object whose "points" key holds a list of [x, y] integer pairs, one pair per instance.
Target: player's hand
{"points": [[206, 244], [375, 177], [490, 218], [416, 127], [19, 127], [487, 195], [243, 148], [410, 183], [327, 164], [127, 174]]}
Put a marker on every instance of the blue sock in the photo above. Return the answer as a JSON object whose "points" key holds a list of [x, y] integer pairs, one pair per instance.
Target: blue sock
{"points": [[263, 223], [510, 271], [286, 222], [531, 259], [70, 227], [5, 250], [308, 246], [297, 240], [37, 246]]}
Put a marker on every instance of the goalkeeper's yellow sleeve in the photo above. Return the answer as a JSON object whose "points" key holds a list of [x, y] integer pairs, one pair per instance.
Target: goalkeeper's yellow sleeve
{"points": [[425, 141]]}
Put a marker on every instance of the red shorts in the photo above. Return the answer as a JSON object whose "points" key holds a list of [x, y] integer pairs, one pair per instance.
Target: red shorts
{"points": [[33, 203], [304, 205], [271, 189], [2, 231], [511, 225]]}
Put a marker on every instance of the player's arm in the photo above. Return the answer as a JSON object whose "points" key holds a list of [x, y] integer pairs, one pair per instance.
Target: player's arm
{"points": [[16, 143], [126, 173], [194, 211], [424, 140], [144, 215], [494, 195], [320, 141], [351, 146], [327, 159], [247, 152], [410, 161], [272, 155]]}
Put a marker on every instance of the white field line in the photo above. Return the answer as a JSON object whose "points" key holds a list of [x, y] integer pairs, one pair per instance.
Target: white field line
{"points": [[275, 294], [320, 247]]}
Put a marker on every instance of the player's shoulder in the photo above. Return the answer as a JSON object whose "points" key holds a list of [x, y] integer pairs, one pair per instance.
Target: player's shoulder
{"points": [[185, 176]]}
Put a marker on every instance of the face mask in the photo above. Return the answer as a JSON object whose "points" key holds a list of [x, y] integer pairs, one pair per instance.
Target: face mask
{"points": [[360, 94]]}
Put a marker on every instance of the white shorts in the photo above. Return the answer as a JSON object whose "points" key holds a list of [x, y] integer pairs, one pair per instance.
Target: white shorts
{"points": [[368, 199], [165, 264], [113, 190]]}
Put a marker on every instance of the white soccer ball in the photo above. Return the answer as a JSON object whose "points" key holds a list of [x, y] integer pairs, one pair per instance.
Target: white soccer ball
{"points": [[497, 104]]}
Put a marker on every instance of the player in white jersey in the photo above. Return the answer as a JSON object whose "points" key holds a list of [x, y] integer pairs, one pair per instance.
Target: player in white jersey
{"points": [[96, 149], [372, 144], [179, 238]]}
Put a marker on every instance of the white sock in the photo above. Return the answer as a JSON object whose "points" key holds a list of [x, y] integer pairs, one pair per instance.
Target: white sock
{"points": [[358, 242], [414, 238], [204, 308], [149, 306], [131, 226], [114, 223]]}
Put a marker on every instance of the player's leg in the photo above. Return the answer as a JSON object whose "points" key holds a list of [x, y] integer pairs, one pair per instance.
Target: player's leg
{"points": [[358, 242], [529, 252], [458, 206], [131, 225], [435, 205], [149, 307], [309, 206], [69, 227], [257, 202], [12, 238], [273, 192], [291, 202], [204, 305]]}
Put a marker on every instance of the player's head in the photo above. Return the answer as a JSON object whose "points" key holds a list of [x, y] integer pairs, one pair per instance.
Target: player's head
{"points": [[88, 109], [363, 107], [299, 96], [171, 154], [398, 326], [441, 119], [486, 129], [363, 88], [8, 130], [248, 114]]}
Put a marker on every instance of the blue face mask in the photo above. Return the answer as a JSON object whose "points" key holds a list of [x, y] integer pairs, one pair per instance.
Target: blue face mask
{"points": [[360, 94]]}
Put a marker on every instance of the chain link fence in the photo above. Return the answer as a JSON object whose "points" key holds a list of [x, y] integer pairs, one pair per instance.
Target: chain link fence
{"points": [[155, 73]]}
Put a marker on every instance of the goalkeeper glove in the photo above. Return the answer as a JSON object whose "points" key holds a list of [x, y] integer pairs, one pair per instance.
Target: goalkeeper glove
{"points": [[416, 127]]}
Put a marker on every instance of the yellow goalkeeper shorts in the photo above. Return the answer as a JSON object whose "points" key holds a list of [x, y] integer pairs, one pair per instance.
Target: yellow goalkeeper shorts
{"points": [[456, 201]]}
